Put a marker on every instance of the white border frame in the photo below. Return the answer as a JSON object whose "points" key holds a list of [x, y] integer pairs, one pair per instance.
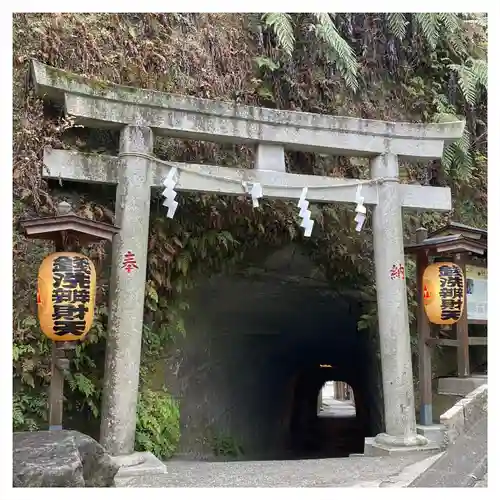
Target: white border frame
{"points": [[226, 6]]}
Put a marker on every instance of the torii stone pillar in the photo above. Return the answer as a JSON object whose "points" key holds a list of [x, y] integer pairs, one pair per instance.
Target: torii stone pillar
{"points": [[139, 111], [397, 375], [126, 298]]}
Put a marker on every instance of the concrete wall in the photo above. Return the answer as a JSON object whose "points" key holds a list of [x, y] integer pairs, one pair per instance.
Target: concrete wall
{"points": [[464, 414], [328, 390]]}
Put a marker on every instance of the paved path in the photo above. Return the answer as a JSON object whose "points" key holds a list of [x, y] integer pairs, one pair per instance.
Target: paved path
{"points": [[335, 408], [463, 465], [333, 472], [330, 472]]}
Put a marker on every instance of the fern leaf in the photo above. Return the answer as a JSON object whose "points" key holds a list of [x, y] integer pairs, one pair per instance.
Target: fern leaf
{"points": [[266, 63], [84, 384], [479, 68], [17, 415], [452, 31], [282, 26], [457, 159], [464, 163], [339, 51], [466, 81], [456, 44], [448, 157], [443, 107], [428, 23], [450, 21], [397, 24], [72, 383]]}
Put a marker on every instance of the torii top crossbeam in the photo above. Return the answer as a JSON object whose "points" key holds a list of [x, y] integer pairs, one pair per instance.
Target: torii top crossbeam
{"points": [[98, 104]]}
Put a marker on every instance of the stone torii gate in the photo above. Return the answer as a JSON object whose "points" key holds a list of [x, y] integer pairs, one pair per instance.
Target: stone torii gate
{"points": [[140, 114]]}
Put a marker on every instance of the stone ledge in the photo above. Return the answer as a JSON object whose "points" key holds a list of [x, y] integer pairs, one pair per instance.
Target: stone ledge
{"points": [[434, 433], [464, 414], [410, 473], [373, 449], [95, 103], [141, 464], [455, 386]]}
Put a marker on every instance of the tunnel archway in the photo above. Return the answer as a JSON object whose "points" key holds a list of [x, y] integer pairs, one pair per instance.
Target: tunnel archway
{"points": [[334, 392], [249, 371], [331, 433]]}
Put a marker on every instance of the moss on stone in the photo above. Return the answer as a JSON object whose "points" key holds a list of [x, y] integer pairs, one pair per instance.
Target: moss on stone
{"points": [[61, 78]]}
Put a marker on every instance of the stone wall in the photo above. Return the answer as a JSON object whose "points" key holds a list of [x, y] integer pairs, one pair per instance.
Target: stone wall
{"points": [[465, 413]]}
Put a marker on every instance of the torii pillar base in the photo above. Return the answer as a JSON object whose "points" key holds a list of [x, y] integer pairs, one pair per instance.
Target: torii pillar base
{"points": [[376, 449]]}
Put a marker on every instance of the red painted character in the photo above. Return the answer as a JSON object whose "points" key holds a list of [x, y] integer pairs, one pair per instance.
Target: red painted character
{"points": [[397, 271], [129, 262]]}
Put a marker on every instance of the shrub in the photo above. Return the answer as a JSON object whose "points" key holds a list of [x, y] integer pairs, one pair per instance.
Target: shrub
{"points": [[157, 428]]}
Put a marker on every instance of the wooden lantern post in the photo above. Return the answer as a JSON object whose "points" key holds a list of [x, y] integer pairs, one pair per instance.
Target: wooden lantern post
{"points": [[465, 246], [69, 232]]}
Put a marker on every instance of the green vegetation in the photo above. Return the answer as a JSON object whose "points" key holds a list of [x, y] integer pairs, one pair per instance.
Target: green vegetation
{"points": [[456, 34], [225, 446], [411, 67], [157, 428]]}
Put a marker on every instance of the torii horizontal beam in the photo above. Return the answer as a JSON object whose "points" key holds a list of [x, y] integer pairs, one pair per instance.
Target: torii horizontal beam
{"points": [[104, 105], [103, 169]]}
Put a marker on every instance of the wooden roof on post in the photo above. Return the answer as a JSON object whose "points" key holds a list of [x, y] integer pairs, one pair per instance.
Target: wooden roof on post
{"points": [[47, 227], [50, 228], [455, 228], [453, 238]]}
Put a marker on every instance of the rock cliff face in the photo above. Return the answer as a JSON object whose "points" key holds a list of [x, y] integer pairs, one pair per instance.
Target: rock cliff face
{"points": [[60, 459]]}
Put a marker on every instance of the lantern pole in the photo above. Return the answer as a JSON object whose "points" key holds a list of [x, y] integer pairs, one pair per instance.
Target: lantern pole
{"points": [[424, 333], [56, 390], [60, 361], [62, 353], [462, 326]]}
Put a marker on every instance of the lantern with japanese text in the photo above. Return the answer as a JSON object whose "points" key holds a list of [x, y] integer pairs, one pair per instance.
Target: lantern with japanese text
{"points": [[443, 293], [66, 296]]}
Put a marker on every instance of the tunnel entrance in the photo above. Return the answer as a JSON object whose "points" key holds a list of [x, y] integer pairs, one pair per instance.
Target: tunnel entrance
{"points": [[259, 347], [340, 428], [336, 398], [324, 419]]}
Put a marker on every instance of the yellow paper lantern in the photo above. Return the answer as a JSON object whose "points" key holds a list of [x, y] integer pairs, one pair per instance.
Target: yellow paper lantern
{"points": [[66, 296], [443, 290]]}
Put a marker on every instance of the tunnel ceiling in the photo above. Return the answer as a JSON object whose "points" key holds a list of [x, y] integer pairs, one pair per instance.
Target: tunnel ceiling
{"points": [[285, 295]]}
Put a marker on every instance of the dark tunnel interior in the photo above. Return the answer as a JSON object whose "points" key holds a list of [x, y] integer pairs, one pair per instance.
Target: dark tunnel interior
{"points": [[249, 376]]}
